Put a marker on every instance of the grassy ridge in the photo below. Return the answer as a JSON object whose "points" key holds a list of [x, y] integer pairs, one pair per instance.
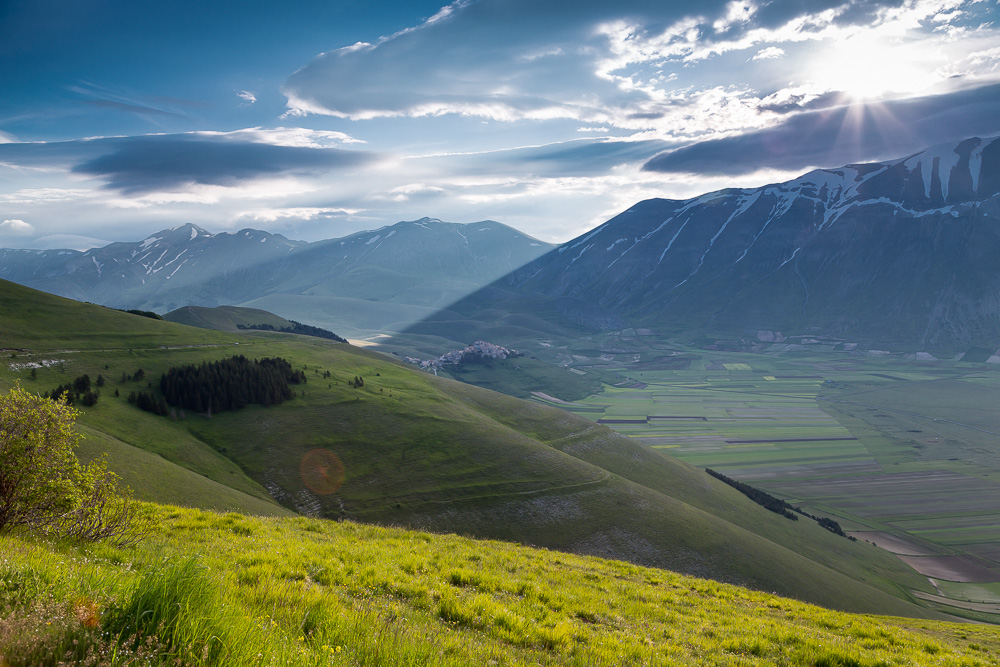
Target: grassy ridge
{"points": [[46, 322], [214, 589], [428, 452], [224, 318]]}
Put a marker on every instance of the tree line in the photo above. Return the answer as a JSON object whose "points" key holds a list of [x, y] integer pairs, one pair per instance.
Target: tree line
{"points": [[762, 498], [296, 328], [778, 505]]}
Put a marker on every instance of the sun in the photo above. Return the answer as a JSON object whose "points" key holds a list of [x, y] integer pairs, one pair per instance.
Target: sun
{"points": [[868, 66]]}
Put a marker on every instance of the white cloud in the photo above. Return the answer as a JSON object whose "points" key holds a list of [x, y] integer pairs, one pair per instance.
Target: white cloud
{"points": [[39, 195], [247, 96], [296, 137], [68, 241], [406, 192], [16, 228], [769, 53], [620, 65], [295, 213], [737, 12]]}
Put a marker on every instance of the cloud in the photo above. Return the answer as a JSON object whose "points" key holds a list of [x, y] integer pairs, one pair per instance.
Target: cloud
{"points": [[271, 215], [16, 228], [137, 165], [247, 96], [635, 65], [579, 157], [412, 191], [298, 137], [841, 135], [68, 241], [131, 108], [770, 53]]}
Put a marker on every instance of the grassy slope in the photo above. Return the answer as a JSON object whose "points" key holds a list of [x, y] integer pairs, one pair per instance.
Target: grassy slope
{"points": [[155, 479], [429, 452], [45, 322], [224, 318], [671, 477], [305, 592]]}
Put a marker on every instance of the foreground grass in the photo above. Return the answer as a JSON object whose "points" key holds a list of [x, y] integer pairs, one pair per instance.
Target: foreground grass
{"points": [[227, 589]]}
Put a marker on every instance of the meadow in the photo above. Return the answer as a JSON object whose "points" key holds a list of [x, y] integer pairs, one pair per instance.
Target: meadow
{"points": [[210, 588]]}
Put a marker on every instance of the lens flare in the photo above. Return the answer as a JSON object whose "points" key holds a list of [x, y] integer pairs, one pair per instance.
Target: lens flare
{"points": [[322, 472]]}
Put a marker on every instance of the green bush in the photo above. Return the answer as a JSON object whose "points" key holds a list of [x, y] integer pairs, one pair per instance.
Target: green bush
{"points": [[43, 487]]}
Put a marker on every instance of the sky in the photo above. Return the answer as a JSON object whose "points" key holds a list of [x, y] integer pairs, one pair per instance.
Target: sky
{"points": [[316, 119]]}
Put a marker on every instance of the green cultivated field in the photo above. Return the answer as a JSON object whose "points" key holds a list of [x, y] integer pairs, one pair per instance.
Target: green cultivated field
{"points": [[893, 449]]}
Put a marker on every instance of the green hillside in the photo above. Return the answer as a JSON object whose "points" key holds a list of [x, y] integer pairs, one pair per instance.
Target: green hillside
{"points": [[428, 452], [224, 318], [213, 589]]}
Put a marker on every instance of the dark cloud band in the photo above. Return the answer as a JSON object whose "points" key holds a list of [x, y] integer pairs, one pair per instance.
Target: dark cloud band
{"points": [[145, 164]]}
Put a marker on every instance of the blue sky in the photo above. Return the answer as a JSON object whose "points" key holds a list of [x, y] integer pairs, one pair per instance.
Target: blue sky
{"points": [[317, 119]]}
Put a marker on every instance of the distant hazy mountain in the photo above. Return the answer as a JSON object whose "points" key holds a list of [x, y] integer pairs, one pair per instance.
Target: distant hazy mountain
{"points": [[904, 251], [395, 273]]}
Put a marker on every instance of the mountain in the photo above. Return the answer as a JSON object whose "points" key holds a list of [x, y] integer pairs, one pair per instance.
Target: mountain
{"points": [[364, 281], [150, 274], [901, 252], [424, 452]]}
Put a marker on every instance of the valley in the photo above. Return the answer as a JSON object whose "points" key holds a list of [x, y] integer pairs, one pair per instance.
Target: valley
{"points": [[500, 333], [901, 452], [593, 439], [434, 454]]}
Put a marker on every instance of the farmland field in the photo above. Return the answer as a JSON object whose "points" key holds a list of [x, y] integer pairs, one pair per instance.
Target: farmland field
{"points": [[900, 452]]}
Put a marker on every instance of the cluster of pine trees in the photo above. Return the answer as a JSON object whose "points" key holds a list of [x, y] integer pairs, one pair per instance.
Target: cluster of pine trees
{"points": [[149, 402], [230, 384], [79, 390]]}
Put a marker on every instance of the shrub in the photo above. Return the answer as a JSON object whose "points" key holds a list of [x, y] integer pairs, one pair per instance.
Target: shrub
{"points": [[44, 488]]}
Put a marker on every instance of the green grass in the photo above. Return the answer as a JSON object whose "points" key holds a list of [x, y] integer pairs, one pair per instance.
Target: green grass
{"points": [[43, 322], [226, 589], [155, 479], [224, 318], [428, 452]]}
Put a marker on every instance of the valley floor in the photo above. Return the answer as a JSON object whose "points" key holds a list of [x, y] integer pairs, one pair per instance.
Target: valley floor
{"points": [[903, 454]]}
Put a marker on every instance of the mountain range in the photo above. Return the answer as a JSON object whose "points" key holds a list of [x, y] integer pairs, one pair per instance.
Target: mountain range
{"points": [[364, 281], [897, 253], [901, 252]]}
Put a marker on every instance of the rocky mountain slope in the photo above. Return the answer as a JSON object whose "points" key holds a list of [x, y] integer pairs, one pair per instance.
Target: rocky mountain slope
{"points": [[898, 252]]}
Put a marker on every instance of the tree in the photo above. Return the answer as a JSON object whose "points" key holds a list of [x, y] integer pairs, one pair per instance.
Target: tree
{"points": [[43, 486]]}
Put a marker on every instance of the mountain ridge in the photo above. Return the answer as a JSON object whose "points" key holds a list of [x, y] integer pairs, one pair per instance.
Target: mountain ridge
{"points": [[898, 252], [425, 263]]}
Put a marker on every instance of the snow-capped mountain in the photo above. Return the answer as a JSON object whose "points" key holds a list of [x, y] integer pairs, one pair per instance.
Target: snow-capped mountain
{"points": [[184, 259], [904, 251], [422, 262]]}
